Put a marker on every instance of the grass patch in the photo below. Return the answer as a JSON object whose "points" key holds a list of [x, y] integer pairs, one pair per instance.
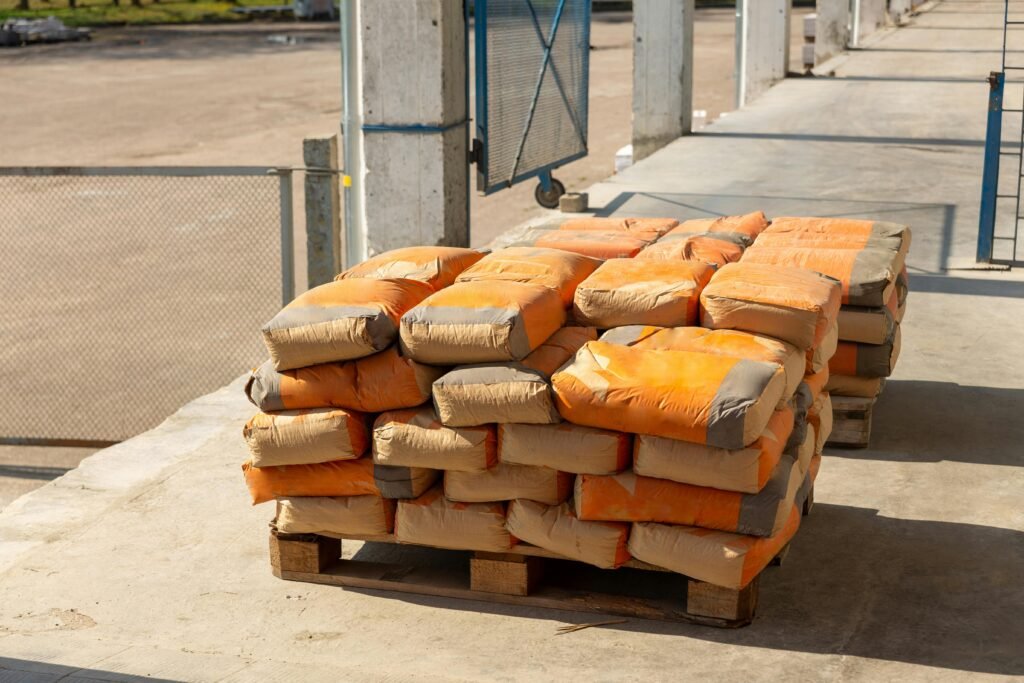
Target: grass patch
{"points": [[105, 13]]}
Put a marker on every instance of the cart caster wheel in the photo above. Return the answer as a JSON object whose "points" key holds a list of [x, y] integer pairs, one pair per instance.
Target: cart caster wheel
{"points": [[549, 199]]}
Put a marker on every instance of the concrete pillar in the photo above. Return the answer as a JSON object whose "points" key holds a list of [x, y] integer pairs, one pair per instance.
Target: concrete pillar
{"points": [[412, 170], [323, 214], [762, 46], [868, 17], [832, 32], [662, 73]]}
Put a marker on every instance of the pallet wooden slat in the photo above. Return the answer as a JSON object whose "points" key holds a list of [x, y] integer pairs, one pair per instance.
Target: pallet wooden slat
{"points": [[851, 421]]}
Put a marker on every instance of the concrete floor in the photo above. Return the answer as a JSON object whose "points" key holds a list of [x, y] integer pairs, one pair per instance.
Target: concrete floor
{"points": [[147, 560]]}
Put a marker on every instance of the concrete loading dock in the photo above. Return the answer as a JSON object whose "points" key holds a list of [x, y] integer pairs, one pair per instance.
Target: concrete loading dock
{"points": [[908, 568]]}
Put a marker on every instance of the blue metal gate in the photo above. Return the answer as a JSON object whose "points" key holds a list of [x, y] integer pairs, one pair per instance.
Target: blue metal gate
{"points": [[532, 84]]}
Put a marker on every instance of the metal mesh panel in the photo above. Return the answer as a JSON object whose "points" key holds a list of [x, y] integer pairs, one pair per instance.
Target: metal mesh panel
{"points": [[124, 297], [515, 59]]}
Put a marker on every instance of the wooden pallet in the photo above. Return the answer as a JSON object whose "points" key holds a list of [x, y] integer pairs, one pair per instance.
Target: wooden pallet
{"points": [[525, 576], [851, 421]]}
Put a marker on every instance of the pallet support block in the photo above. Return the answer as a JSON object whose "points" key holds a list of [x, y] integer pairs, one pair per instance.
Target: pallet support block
{"points": [[708, 600], [303, 553], [504, 573], [851, 421]]}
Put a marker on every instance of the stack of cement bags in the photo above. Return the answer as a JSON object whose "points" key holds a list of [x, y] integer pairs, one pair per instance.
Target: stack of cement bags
{"points": [[868, 258], [560, 393]]}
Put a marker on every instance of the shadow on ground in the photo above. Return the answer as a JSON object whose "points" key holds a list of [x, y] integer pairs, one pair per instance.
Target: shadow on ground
{"points": [[22, 670]]}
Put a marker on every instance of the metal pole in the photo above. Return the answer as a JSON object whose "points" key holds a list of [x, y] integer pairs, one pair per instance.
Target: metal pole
{"points": [[855, 27], [351, 133], [287, 238], [741, 52], [990, 174]]}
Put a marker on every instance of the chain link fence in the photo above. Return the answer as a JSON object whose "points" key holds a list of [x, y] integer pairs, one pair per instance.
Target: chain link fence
{"points": [[126, 292]]}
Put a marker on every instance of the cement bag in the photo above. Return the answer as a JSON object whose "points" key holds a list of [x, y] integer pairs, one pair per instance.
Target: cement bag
{"points": [[416, 438], [866, 360], [740, 229], [508, 392], [434, 266], [801, 403], [336, 478], [857, 387], [746, 469], [731, 343], [722, 558], [397, 482], [870, 325], [436, 521], [820, 419], [481, 322], [791, 304], [816, 383], [818, 356], [340, 321], [837, 233], [599, 244], [868, 275], [342, 516], [628, 497], [647, 228], [641, 292], [559, 270], [555, 528], [304, 437], [689, 395], [384, 381], [507, 482], [705, 248], [565, 447]]}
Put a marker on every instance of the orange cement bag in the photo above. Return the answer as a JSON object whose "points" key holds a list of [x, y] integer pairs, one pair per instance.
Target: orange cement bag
{"points": [[384, 381], [858, 387], [436, 521], [689, 395], [398, 482], [791, 304], [337, 478], [341, 320], [722, 558], [518, 391], [508, 482], [866, 360], [819, 355], [821, 420], [868, 275], [555, 528], [740, 229], [628, 497], [599, 244], [414, 437], [641, 292], [704, 248], [733, 343], [647, 228], [303, 437], [746, 469], [341, 516], [867, 325], [565, 447], [435, 266], [481, 322], [836, 233], [560, 270]]}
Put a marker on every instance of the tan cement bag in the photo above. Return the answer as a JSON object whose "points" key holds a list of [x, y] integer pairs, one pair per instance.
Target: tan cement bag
{"points": [[399, 482], [436, 521], [508, 392], [722, 558], [560, 270], [555, 528], [740, 229], [348, 515], [642, 292], [507, 482], [481, 322], [435, 266], [819, 355], [566, 447], [858, 387], [820, 418], [866, 360], [416, 438], [341, 320], [731, 343], [746, 470], [304, 437], [794, 305], [706, 248], [644, 227]]}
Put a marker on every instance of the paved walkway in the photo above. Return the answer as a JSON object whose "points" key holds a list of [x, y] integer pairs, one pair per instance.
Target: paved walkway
{"points": [[148, 561]]}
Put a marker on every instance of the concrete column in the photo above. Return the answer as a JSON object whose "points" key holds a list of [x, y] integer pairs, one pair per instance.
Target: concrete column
{"points": [[662, 73], [868, 17], [323, 214], [832, 32], [762, 46], [412, 177]]}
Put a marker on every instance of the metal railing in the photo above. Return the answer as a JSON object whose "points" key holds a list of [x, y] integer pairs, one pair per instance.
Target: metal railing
{"points": [[128, 291]]}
